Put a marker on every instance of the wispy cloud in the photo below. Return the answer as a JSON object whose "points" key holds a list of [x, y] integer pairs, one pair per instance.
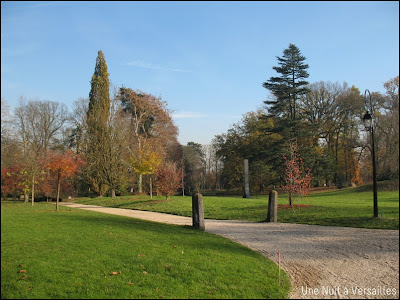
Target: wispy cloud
{"points": [[146, 65], [188, 115], [22, 49], [198, 115]]}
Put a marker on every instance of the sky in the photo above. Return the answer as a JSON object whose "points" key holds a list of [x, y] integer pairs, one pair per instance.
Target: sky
{"points": [[207, 60]]}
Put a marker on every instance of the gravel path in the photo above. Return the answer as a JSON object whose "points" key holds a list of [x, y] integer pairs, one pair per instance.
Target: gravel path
{"points": [[322, 261]]}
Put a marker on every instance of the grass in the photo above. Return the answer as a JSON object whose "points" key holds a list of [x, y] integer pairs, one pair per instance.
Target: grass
{"points": [[351, 207], [82, 254]]}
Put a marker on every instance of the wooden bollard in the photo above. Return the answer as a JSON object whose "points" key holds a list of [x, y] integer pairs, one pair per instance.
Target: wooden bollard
{"points": [[198, 211], [272, 215]]}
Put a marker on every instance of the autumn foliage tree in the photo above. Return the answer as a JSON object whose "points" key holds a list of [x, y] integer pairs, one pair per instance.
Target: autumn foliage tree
{"points": [[152, 130], [168, 179], [11, 180], [63, 165], [146, 163], [297, 177]]}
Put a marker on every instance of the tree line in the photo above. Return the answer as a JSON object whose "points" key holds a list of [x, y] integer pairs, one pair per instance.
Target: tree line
{"points": [[319, 123], [115, 142], [120, 140]]}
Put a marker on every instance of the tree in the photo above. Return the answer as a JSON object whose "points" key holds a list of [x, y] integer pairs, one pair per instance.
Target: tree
{"points": [[39, 127], [146, 163], [168, 179], [78, 129], [288, 87], [284, 106], [8, 138], [175, 153], [151, 126], [297, 178], [98, 148], [193, 161], [117, 160], [211, 165], [11, 181], [252, 139], [332, 112], [40, 124], [63, 166], [387, 131]]}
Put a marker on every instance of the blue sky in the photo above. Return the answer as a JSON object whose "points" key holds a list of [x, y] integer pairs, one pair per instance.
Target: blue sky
{"points": [[207, 60]]}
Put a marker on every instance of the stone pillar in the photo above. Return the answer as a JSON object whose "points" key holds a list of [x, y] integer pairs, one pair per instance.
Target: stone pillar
{"points": [[246, 179], [198, 211], [273, 207]]}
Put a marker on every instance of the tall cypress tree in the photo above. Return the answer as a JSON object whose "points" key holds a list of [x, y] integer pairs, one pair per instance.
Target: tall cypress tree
{"points": [[98, 150]]}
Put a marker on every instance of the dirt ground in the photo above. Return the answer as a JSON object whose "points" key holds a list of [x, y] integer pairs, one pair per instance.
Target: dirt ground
{"points": [[323, 262]]}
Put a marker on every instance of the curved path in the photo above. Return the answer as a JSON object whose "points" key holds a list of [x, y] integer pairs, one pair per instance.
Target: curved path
{"points": [[322, 261]]}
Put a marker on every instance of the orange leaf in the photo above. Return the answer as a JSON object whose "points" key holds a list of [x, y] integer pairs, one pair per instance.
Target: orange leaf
{"points": [[22, 271], [23, 277], [116, 273]]}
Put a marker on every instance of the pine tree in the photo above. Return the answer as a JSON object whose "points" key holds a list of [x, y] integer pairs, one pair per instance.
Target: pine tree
{"points": [[288, 87], [98, 149], [287, 90]]}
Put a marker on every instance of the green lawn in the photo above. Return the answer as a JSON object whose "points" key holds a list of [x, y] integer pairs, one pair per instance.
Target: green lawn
{"points": [[83, 254], [347, 207]]}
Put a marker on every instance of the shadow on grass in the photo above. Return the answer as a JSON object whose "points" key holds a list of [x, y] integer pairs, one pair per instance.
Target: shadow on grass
{"points": [[205, 241]]}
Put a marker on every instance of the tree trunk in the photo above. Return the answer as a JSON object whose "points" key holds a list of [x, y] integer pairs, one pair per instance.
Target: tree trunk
{"points": [[58, 191], [140, 184], [151, 188], [113, 193], [33, 189], [183, 183]]}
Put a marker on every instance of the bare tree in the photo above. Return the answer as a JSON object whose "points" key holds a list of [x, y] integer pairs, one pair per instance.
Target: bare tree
{"points": [[78, 129], [10, 153], [387, 131], [39, 123]]}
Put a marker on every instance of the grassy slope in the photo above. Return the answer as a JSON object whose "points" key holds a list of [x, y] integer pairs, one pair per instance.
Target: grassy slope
{"points": [[73, 254], [347, 207]]}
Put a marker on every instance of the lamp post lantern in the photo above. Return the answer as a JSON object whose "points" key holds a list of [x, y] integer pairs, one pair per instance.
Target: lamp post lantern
{"points": [[369, 126]]}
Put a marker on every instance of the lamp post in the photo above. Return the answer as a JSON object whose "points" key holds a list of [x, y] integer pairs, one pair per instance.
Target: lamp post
{"points": [[369, 126]]}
